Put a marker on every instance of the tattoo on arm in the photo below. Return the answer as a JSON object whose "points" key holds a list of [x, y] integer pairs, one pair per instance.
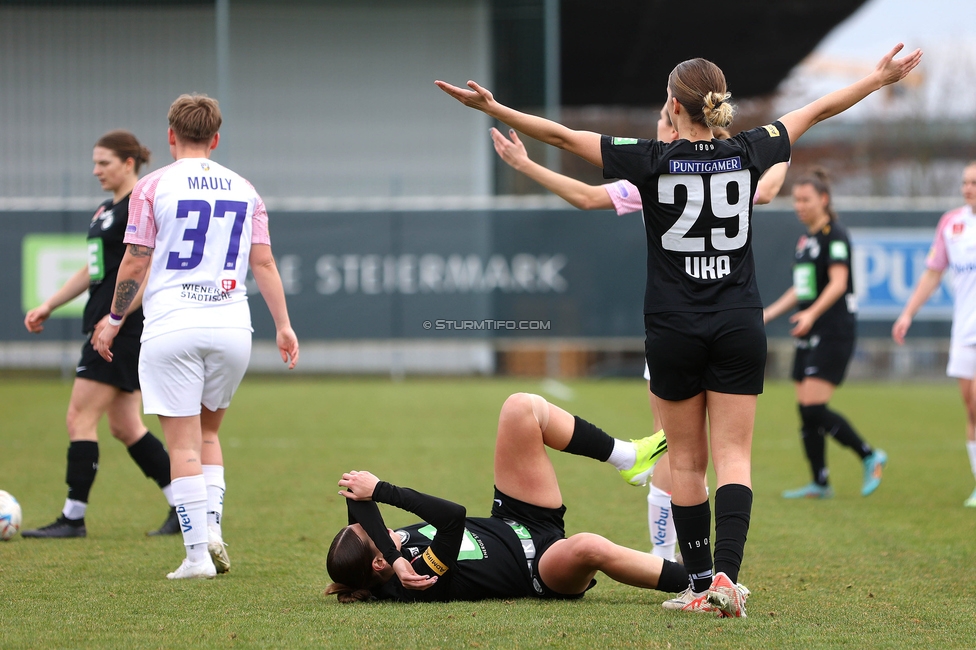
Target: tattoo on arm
{"points": [[140, 251], [125, 293]]}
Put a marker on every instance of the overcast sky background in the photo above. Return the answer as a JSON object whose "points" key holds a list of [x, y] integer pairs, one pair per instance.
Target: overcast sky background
{"points": [[944, 29]]}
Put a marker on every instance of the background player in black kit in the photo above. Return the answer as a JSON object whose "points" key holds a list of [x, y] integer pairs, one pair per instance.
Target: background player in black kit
{"points": [[825, 328], [102, 388], [705, 341], [520, 551]]}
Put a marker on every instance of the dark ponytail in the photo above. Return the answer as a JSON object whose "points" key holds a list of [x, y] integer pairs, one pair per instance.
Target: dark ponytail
{"points": [[350, 565], [125, 145], [818, 179]]}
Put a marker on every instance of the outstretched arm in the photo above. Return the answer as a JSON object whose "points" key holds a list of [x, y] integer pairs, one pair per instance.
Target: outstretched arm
{"points": [[584, 144], [888, 71], [576, 193], [771, 183]]}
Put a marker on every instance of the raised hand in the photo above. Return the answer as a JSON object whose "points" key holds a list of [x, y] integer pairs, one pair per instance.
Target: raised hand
{"points": [[890, 70], [477, 97], [511, 151]]}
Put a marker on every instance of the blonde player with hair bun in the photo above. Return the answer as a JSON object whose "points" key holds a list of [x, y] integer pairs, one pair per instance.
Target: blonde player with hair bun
{"points": [[624, 197], [705, 342]]}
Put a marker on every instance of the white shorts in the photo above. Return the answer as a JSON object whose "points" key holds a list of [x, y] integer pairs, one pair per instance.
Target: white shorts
{"points": [[647, 372], [183, 369], [962, 361]]}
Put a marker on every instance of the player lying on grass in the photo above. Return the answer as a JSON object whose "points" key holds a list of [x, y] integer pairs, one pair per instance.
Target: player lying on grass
{"points": [[520, 551]]}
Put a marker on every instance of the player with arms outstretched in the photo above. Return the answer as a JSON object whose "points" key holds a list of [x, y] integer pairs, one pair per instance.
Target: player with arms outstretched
{"points": [[624, 198], [705, 342], [199, 225]]}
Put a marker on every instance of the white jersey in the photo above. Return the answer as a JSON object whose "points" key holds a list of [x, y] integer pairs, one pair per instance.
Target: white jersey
{"points": [[954, 249], [201, 219]]}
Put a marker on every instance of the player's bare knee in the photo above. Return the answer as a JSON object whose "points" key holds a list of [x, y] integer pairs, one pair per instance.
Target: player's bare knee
{"points": [[590, 549]]}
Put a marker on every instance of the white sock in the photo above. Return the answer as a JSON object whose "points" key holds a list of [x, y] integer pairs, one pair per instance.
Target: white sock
{"points": [[660, 522], [214, 477], [623, 455], [168, 493], [74, 509], [190, 496], [971, 448]]}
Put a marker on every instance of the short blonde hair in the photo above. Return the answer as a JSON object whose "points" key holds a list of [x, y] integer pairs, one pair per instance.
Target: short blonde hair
{"points": [[195, 118]]}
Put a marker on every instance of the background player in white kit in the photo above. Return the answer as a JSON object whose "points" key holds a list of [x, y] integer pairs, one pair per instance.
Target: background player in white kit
{"points": [[954, 247], [199, 225]]}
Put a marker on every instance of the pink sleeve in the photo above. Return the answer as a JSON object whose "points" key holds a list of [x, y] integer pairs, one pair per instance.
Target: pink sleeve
{"points": [[938, 258], [624, 196], [141, 228], [259, 224]]}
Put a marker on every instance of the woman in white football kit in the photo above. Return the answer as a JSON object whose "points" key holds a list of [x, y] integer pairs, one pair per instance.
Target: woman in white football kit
{"points": [[623, 197], [705, 341], [954, 248], [200, 226]]}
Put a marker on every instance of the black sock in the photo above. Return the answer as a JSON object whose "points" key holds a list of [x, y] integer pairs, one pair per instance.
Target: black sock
{"points": [[82, 467], [693, 525], [590, 441], [674, 578], [733, 508], [151, 457], [842, 431], [814, 442]]}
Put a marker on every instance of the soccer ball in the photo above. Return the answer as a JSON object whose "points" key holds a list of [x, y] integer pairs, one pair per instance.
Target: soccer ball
{"points": [[9, 516]]}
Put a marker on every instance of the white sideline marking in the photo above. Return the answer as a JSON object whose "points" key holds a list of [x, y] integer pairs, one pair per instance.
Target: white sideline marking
{"points": [[558, 390]]}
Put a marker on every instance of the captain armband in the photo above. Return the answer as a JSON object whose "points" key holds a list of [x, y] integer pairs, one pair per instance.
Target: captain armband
{"points": [[435, 564]]}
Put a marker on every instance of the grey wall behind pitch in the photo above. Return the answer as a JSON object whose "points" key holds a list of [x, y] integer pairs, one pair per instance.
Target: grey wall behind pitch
{"points": [[328, 98]]}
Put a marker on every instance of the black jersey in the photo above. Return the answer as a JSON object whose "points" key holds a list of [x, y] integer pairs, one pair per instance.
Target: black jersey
{"points": [[475, 558], [105, 251], [815, 254], [697, 199]]}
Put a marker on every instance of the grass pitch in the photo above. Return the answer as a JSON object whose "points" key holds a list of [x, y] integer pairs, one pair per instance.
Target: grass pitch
{"points": [[893, 570]]}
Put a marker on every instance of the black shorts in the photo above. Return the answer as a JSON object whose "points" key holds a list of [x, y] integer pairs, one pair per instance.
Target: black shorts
{"points": [[545, 526], [825, 358], [123, 372], [691, 352]]}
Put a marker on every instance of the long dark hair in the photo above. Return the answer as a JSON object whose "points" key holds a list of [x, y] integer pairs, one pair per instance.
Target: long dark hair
{"points": [[124, 145], [818, 179], [350, 565]]}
